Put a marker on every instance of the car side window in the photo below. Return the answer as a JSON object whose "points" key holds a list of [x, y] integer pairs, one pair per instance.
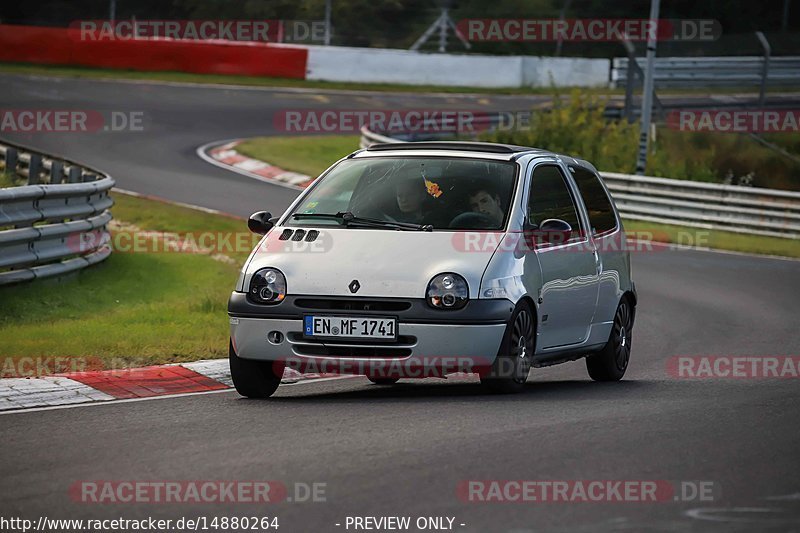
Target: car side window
{"points": [[598, 204], [550, 198]]}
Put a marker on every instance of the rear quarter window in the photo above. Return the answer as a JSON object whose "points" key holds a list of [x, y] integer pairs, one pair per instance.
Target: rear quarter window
{"points": [[598, 204]]}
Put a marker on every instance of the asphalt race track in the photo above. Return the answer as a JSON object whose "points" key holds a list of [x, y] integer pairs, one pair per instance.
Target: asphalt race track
{"points": [[403, 450]]}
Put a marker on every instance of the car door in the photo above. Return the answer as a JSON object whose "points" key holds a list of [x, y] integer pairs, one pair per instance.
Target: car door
{"points": [[569, 268], [609, 241]]}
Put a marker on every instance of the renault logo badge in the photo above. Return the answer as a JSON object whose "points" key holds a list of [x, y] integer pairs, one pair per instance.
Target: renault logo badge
{"points": [[354, 286]]}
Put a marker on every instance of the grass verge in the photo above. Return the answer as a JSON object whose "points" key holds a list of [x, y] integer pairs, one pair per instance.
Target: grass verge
{"points": [[309, 155], [134, 308], [716, 239]]}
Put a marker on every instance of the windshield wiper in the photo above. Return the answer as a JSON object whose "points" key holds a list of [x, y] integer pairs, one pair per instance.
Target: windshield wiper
{"points": [[347, 219]]}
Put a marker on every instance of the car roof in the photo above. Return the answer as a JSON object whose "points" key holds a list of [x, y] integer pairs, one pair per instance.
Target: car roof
{"points": [[462, 146], [456, 148], [507, 152]]}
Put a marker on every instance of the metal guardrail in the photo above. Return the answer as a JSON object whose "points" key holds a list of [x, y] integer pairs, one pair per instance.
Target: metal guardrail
{"points": [[55, 224], [751, 210], [747, 71], [368, 138]]}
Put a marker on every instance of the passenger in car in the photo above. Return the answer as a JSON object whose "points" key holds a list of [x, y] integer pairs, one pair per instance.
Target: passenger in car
{"points": [[486, 200]]}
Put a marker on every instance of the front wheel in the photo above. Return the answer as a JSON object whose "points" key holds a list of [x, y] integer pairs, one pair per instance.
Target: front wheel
{"points": [[513, 362], [254, 379], [611, 362]]}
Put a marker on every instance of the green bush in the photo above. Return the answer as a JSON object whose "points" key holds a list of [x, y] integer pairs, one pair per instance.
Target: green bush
{"points": [[576, 125]]}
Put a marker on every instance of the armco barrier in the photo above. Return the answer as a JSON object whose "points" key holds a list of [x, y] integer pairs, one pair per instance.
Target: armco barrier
{"points": [[63, 46], [751, 210], [713, 71], [55, 224]]}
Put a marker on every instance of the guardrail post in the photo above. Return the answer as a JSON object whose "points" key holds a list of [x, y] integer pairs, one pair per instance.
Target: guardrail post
{"points": [[12, 158], [34, 168], [74, 175], [56, 172], [765, 66]]}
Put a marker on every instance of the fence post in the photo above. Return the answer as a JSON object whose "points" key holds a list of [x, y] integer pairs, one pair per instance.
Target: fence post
{"points": [[12, 158], [765, 66], [34, 168], [56, 172], [631, 72], [74, 175], [647, 93]]}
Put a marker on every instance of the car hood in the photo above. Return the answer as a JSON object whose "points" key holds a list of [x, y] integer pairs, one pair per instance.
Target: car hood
{"points": [[386, 263]]}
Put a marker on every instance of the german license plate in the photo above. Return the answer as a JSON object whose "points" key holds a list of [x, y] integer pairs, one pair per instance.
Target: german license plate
{"points": [[350, 327]]}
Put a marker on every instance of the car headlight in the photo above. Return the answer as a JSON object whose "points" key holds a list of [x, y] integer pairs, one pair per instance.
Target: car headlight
{"points": [[447, 291], [267, 286]]}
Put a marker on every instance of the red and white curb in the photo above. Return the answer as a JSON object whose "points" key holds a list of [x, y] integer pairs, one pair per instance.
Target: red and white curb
{"points": [[126, 384], [225, 155]]}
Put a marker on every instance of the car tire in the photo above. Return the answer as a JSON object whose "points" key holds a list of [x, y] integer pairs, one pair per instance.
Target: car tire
{"points": [[610, 363], [510, 369], [254, 379], [383, 381]]}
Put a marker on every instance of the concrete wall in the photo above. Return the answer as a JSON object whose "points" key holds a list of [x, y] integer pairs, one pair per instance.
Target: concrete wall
{"points": [[371, 65], [565, 71]]}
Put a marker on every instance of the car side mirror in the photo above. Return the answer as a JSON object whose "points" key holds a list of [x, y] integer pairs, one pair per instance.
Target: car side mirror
{"points": [[555, 231], [260, 222]]}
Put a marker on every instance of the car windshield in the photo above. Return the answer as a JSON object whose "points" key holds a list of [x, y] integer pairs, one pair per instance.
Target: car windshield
{"points": [[411, 193]]}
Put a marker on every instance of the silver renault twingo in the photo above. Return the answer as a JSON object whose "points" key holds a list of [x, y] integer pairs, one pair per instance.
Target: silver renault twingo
{"points": [[412, 260]]}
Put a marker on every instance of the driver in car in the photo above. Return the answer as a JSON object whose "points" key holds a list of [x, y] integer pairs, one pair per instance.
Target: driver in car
{"points": [[411, 195]]}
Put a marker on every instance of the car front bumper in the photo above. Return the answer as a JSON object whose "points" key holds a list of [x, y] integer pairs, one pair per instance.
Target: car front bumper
{"points": [[427, 339]]}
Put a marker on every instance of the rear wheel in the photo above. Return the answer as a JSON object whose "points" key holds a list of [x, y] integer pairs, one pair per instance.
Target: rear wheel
{"points": [[254, 379], [383, 381], [512, 364], [611, 362]]}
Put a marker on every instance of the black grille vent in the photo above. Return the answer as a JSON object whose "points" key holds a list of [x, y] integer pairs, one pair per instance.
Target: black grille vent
{"points": [[349, 351], [353, 305], [311, 236], [403, 341]]}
